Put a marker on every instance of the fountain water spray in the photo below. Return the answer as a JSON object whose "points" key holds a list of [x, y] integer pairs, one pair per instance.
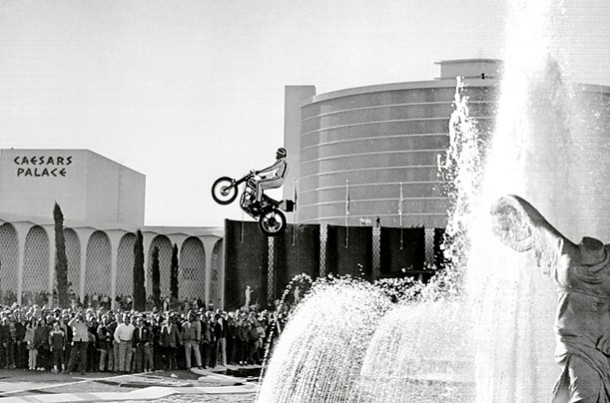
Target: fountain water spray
{"points": [[320, 352]]}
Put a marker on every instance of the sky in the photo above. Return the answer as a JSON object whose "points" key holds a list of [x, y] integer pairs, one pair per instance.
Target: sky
{"points": [[187, 91]]}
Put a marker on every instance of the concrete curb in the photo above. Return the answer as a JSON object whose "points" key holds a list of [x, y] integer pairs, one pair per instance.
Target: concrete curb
{"points": [[150, 393]]}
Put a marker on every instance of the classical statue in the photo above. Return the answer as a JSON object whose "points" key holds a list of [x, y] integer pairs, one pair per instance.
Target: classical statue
{"points": [[582, 276]]}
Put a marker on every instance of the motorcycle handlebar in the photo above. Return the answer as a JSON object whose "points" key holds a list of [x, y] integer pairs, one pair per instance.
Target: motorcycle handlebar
{"points": [[245, 177]]}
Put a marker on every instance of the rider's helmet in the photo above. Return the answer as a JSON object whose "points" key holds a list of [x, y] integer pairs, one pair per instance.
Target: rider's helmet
{"points": [[281, 153]]}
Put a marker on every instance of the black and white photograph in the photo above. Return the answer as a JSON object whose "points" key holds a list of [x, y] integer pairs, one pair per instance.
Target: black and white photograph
{"points": [[322, 201]]}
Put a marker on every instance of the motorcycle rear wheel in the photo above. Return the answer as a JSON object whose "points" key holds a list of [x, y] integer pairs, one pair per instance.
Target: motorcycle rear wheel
{"points": [[272, 222], [224, 191]]}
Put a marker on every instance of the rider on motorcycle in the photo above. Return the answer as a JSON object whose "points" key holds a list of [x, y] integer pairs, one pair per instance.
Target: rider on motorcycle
{"points": [[273, 176]]}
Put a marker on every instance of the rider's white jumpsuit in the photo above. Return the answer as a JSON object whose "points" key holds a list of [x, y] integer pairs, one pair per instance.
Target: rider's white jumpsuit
{"points": [[275, 178]]}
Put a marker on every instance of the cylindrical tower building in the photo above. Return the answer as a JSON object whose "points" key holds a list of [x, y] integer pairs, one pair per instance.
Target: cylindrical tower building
{"points": [[356, 148]]}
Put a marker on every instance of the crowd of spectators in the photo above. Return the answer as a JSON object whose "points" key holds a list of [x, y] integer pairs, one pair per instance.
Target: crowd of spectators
{"points": [[99, 339]]}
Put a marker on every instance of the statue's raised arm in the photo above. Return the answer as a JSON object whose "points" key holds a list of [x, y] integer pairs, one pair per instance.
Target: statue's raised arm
{"points": [[521, 227]]}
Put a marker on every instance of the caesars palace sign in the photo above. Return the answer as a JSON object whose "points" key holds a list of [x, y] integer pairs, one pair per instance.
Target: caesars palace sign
{"points": [[42, 166]]}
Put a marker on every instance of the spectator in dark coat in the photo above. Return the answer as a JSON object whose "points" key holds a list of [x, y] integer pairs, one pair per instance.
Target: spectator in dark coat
{"points": [[220, 334], [170, 341], [158, 351], [142, 342], [206, 342], [232, 340], [4, 345], [41, 343], [104, 338], [21, 351], [57, 343], [243, 335]]}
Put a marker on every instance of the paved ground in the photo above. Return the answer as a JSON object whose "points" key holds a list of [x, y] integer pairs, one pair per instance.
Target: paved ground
{"points": [[160, 387]]}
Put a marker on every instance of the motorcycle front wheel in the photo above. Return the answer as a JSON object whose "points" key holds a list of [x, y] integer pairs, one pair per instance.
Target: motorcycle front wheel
{"points": [[272, 222], [224, 191]]}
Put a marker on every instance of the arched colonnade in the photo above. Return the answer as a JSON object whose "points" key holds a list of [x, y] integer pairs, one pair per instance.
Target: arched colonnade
{"points": [[100, 261]]}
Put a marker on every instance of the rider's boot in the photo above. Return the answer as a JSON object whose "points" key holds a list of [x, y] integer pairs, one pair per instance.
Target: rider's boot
{"points": [[257, 204]]}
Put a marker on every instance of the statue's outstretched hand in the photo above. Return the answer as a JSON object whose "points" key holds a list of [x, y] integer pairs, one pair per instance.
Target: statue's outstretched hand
{"points": [[522, 228], [511, 225]]}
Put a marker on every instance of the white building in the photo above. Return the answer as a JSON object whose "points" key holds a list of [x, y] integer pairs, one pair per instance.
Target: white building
{"points": [[103, 207]]}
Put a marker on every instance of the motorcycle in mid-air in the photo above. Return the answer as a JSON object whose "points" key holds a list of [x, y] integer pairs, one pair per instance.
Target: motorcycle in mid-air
{"points": [[269, 213]]}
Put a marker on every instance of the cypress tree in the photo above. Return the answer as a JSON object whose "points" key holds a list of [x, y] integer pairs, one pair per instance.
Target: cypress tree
{"points": [[173, 281], [156, 278], [139, 290], [61, 260]]}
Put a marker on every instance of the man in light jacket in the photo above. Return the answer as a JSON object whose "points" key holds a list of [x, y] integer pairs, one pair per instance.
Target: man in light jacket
{"points": [[191, 336], [80, 342], [123, 336]]}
